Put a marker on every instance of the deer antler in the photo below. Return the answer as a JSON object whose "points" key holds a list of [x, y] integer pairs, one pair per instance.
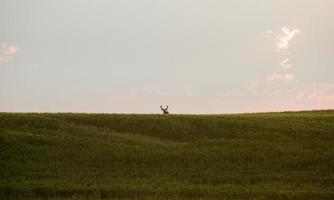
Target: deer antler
{"points": [[165, 112]]}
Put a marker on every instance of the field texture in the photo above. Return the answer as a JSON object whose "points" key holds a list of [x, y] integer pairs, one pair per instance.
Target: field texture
{"points": [[110, 156]]}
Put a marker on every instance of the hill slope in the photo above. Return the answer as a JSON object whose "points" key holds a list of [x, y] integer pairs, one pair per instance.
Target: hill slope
{"points": [[96, 156]]}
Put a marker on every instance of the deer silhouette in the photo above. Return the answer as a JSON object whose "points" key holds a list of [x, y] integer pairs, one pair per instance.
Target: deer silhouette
{"points": [[164, 110]]}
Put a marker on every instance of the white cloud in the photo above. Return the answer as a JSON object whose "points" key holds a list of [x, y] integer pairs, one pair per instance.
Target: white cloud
{"points": [[283, 39], [280, 77], [269, 32], [285, 63]]}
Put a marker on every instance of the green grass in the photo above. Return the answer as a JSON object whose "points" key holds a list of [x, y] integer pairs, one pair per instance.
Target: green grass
{"points": [[110, 156]]}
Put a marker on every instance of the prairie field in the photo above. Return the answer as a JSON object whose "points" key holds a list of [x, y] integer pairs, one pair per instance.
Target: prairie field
{"points": [[288, 155]]}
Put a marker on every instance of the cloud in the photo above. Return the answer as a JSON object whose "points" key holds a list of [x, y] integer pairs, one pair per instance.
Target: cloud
{"points": [[8, 52], [281, 90], [285, 63], [320, 92], [277, 86], [12, 49], [269, 32], [266, 86], [280, 77], [283, 39]]}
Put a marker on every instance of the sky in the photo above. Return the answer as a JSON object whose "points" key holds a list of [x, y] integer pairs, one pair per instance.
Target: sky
{"points": [[198, 57]]}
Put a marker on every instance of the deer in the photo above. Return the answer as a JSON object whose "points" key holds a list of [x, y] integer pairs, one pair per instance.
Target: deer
{"points": [[164, 110]]}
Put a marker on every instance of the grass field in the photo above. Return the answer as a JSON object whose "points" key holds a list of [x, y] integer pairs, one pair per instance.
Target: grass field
{"points": [[117, 156]]}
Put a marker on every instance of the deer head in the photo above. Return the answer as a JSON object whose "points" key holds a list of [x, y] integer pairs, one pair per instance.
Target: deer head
{"points": [[164, 110]]}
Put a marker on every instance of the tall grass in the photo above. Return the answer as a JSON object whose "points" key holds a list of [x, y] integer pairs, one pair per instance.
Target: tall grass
{"points": [[113, 156]]}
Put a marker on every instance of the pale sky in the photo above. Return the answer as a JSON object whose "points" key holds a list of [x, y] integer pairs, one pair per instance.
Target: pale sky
{"points": [[121, 56]]}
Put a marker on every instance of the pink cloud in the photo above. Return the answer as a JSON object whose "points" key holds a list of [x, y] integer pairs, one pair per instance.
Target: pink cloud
{"points": [[319, 92], [7, 52], [266, 96], [285, 63], [12, 49], [281, 90], [274, 84]]}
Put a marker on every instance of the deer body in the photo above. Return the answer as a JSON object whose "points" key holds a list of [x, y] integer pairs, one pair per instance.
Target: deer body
{"points": [[164, 110]]}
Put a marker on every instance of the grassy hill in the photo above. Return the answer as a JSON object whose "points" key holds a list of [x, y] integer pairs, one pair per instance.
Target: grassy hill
{"points": [[109, 156]]}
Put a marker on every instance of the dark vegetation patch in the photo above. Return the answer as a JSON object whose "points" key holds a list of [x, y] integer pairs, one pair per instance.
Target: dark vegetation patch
{"points": [[112, 156]]}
